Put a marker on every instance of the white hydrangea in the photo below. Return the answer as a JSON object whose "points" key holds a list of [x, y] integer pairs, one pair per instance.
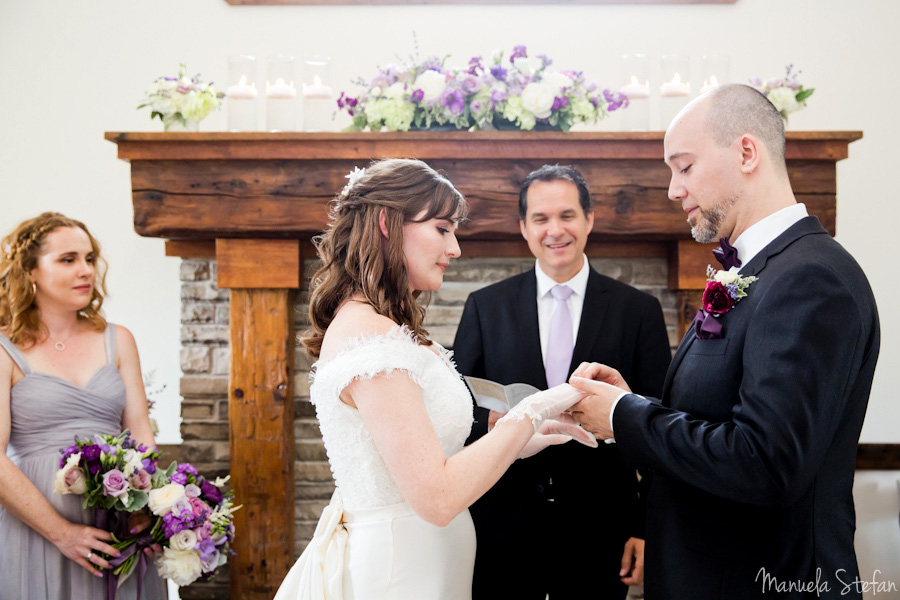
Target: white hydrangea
{"points": [[784, 99]]}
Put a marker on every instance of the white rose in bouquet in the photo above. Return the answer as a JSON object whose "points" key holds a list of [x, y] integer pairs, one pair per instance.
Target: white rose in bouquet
{"points": [[537, 98], [183, 540], [784, 99], [70, 479], [556, 80], [181, 566], [726, 277], [528, 66], [162, 499], [432, 85]]}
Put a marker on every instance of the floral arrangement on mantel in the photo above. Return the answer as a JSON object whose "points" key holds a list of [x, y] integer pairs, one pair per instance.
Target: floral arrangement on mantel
{"points": [[181, 103], [520, 92], [787, 94]]}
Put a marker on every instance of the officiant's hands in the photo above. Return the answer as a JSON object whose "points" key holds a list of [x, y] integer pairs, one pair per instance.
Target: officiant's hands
{"points": [[557, 431], [604, 384]]}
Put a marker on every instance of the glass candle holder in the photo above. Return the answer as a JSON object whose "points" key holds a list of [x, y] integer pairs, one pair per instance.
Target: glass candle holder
{"points": [[675, 90], [636, 85], [281, 94], [714, 71], [241, 93], [318, 96]]}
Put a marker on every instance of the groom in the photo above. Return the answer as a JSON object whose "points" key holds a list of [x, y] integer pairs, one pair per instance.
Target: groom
{"points": [[754, 440]]}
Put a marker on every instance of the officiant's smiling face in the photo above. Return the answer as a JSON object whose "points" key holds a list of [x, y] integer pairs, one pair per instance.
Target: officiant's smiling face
{"points": [[427, 249], [556, 227]]}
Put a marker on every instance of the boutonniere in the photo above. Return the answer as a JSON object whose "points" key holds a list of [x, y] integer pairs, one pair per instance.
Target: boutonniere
{"points": [[723, 290]]}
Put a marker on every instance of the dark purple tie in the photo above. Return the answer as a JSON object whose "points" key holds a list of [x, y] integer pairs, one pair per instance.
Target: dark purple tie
{"points": [[726, 254]]}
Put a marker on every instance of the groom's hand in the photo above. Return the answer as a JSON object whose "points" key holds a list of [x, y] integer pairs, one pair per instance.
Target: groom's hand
{"points": [[603, 373], [632, 572], [592, 413]]}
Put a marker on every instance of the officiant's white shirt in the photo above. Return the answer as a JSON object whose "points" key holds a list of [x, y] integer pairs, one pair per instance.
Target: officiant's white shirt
{"points": [[749, 244], [546, 303]]}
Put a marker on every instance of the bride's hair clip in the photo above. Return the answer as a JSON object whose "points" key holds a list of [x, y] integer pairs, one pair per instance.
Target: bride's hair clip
{"points": [[355, 175]]}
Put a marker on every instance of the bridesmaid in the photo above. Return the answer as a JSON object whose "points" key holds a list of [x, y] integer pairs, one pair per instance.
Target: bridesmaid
{"points": [[64, 371]]}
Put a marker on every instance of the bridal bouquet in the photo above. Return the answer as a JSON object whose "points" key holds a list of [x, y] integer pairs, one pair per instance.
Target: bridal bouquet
{"points": [[191, 516], [181, 103], [519, 92], [787, 94]]}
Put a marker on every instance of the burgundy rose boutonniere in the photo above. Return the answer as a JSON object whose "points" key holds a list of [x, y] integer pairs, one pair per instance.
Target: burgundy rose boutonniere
{"points": [[723, 290]]}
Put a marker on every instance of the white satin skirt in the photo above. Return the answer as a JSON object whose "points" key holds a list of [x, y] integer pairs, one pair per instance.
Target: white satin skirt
{"points": [[384, 553]]}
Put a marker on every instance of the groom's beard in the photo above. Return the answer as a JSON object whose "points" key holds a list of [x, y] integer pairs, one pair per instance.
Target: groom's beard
{"points": [[705, 228]]}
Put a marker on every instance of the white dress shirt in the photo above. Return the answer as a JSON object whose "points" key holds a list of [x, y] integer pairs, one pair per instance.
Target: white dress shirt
{"points": [[749, 244], [546, 303]]}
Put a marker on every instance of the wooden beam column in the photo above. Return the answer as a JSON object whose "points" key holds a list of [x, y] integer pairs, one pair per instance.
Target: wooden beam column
{"points": [[687, 277], [263, 276]]}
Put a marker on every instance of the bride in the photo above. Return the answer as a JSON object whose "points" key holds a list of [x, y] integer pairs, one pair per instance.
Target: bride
{"points": [[393, 410]]}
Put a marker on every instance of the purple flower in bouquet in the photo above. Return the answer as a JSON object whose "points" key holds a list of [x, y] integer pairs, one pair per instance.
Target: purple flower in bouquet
{"points": [[591, 86], [211, 492], [432, 64], [200, 509], [178, 478], [149, 465], [453, 99], [545, 61], [114, 483], [66, 453], [497, 95], [191, 490], [186, 468], [615, 100], [476, 106], [499, 72], [140, 480], [559, 102], [518, 52], [470, 84], [417, 95], [90, 452], [204, 531], [475, 65]]}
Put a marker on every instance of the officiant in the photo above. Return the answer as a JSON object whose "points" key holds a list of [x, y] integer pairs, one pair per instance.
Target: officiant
{"points": [[535, 328]]}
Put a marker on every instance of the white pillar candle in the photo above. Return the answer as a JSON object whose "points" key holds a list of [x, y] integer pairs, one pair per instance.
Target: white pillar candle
{"points": [[675, 88], [635, 90], [317, 89], [709, 84], [241, 90], [281, 90]]}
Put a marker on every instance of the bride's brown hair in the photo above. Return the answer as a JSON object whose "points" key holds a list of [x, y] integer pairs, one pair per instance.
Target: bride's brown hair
{"points": [[19, 255], [355, 257]]}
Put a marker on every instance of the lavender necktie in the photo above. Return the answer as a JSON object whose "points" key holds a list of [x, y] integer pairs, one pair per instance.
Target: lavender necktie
{"points": [[559, 343]]}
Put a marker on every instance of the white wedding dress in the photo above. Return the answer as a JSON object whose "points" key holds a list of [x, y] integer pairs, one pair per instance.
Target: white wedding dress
{"points": [[369, 543]]}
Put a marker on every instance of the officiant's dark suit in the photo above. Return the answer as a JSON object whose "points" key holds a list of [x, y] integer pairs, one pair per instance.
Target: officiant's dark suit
{"points": [[552, 509], [753, 443]]}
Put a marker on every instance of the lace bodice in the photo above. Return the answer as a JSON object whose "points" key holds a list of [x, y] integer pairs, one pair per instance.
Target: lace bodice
{"points": [[359, 472]]}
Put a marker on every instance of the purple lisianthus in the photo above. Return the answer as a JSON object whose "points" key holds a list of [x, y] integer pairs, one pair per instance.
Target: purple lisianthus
{"points": [[475, 65], [497, 95], [178, 478], [211, 492], [417, 95], [518, 52], [476, 106], [114, 483], [149, 465], [203, 531], [498, 72], [191, 490], [453, 99]]}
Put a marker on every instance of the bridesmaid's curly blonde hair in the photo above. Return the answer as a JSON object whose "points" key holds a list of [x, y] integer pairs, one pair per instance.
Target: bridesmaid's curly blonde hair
{"points": [[357, 259], [19, 253]]}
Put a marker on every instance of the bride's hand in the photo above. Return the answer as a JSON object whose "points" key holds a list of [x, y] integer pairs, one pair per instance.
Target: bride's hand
{"points": [[81, 543], [545, 405], [552, 433]]}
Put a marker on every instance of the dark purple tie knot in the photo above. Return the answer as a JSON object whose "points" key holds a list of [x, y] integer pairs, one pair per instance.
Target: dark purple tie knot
{"points": [[726, 254]]}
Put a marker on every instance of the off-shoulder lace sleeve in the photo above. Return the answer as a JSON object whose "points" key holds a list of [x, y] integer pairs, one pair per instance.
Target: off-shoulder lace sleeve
{"points": [[367, 357]]}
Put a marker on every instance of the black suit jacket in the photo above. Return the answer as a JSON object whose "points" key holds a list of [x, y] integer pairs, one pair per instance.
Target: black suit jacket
{"points": [[753, 445], [498, 339]]}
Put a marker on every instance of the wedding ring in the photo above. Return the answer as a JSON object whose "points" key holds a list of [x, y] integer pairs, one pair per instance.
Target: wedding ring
{"points": [[90, 555]]}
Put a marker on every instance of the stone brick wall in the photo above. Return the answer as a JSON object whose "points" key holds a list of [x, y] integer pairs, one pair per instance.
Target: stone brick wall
{"points": [[205, 356]]}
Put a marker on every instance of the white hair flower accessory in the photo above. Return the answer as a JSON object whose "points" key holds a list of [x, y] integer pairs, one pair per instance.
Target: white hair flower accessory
{"points": [[354, 176]]}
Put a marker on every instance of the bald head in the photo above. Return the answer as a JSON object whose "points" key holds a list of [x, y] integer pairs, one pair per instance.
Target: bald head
{"points": [[736, 109]]}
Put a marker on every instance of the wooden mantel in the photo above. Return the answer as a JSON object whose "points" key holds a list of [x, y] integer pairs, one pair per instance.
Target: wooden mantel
{"points": [[253, 200]]}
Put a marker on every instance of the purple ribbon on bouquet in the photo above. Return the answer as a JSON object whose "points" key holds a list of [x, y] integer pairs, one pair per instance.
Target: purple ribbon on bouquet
{"points": [[102, 521]]}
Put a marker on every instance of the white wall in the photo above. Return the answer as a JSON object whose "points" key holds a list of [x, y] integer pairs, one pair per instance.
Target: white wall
{"points": [[71, 70]]}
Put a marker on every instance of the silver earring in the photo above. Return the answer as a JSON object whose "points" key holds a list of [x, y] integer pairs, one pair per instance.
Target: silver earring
{"points": [[33, 288]]}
